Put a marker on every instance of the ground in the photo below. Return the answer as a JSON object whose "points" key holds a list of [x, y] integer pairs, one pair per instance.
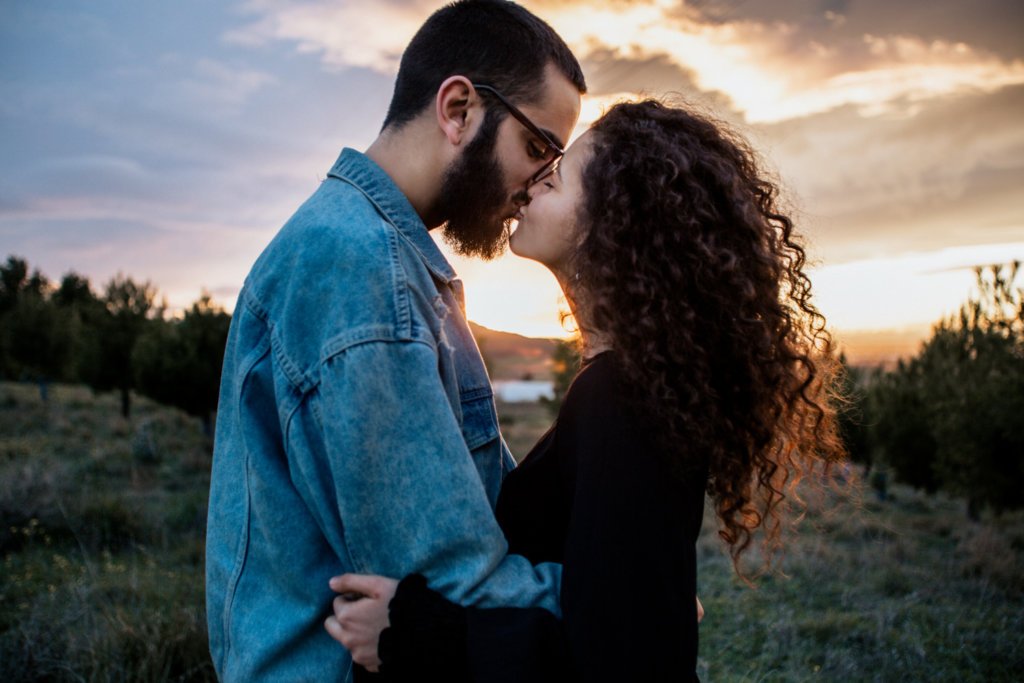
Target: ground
{"points": [[102, 522]]}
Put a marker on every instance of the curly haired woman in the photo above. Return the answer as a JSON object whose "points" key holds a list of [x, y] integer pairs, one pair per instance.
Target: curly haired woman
{"points": [[704, 372]]}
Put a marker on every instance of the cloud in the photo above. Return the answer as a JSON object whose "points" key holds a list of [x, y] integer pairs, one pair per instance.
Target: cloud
{"points": [[948, 176], [370, 35], [130, 147], [770, 68], [987, 25], [215, 84]]}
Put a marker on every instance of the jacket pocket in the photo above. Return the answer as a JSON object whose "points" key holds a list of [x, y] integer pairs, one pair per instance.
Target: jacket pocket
{"points": [[479, 421]]}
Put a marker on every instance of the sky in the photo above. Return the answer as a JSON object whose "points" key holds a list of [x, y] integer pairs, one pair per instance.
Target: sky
{"points": [[170, 141]]}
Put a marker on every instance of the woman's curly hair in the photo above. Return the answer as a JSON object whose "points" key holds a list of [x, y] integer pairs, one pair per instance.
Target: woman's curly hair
{"points": [[691, 269]]}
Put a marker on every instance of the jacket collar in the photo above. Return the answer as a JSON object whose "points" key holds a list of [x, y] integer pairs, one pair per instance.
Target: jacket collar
{"points": [[365, 175]]}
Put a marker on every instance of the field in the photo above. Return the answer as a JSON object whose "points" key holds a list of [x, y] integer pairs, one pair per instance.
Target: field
{"points": [[102, 523]]}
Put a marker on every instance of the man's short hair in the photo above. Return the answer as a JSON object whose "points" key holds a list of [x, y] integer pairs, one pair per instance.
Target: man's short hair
{"points": [[495, 42]]}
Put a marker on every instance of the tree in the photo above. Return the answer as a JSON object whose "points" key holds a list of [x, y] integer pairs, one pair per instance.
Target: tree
{"points": [[566, 363], [974, 371], [128, 305], [851, 417], [179, 362], [899, 430], [951, 417], [34, 343], [13, 276], [82, 318]]}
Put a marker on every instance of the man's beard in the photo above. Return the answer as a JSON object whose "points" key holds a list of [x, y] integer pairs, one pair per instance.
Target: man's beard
{"points": [[474, 197]]}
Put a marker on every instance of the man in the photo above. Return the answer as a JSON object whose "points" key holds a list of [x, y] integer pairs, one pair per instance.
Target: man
{"points": [[356, 429]]}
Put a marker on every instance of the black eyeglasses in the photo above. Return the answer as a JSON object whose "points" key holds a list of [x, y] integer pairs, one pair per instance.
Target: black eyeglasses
{"points": [[551, 149]]}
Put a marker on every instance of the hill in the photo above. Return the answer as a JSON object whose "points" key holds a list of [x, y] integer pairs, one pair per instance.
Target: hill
{"points": [[513, 356]]}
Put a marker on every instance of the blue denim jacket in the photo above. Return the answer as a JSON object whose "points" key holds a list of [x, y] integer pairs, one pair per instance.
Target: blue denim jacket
{"points": [[356, 432]]}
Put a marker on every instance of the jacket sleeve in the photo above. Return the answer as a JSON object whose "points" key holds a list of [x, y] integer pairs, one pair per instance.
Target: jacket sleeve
{"points": [[408, 493]]}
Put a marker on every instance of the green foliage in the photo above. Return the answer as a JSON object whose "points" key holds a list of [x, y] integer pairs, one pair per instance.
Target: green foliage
{"points": [[178, 362], [120, 340], [34, 338], [951, 417], [566, 363], [128, 304], [899, 426], [850, 415]]}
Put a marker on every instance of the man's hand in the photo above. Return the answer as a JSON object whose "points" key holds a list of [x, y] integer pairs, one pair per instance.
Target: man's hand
{"points": [[360, 614], [700, 611]]}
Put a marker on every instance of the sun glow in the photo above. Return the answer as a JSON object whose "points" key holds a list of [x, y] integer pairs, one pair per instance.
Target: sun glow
{"points": [[768, 73], [915, 289]]}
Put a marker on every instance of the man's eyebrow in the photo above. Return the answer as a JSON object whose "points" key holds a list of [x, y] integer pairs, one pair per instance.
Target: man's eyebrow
{"points": [[553, 138]]}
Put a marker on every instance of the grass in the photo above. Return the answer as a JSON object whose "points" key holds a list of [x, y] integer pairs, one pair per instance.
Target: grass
{"points": [[102, 523], [902, 590]]}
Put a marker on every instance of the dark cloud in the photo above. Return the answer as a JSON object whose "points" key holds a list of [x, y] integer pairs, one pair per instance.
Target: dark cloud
{"points": [[993, 25], [948, 176], [609, 73]]}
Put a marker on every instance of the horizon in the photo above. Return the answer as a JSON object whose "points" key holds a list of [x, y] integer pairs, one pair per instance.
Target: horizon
{"points": [[171, 142]]}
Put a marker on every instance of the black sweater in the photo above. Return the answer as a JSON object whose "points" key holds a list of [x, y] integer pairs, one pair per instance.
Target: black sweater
{"points": [[595, 495]]}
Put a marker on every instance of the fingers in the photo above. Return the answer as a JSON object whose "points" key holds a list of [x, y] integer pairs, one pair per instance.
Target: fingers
{"points": [[360, 614], [362, 648], [333, 627], [700, 611], [363, 584]]}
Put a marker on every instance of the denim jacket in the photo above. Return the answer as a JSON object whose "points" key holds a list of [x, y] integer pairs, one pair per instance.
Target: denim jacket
{"points": [[356, 432]]}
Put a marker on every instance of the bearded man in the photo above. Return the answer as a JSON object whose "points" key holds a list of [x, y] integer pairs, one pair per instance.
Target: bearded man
{"points": [[356, 429]]}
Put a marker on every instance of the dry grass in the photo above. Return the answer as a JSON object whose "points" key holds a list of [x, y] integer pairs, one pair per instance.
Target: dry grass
{"points": [[902, 590], [101, 529], [102, 524]]}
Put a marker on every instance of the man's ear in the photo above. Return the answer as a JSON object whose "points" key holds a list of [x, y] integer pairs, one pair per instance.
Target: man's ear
{"points": [[455, 98]]}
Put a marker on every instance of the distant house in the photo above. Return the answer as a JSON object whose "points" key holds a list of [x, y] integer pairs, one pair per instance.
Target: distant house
{"points": [[522, 391]]}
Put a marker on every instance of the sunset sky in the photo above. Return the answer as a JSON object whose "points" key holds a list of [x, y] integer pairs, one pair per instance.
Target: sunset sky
{"points": [[171, 140]]}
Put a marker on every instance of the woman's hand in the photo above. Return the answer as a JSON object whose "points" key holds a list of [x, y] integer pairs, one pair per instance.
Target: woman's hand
{"points": [[360, 614]]}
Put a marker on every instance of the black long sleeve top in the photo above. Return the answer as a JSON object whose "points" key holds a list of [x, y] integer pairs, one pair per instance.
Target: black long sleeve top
{"points": [[596, 495]]}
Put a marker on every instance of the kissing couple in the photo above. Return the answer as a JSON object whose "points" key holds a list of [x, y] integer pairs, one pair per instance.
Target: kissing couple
{"points": [[366, 519]]}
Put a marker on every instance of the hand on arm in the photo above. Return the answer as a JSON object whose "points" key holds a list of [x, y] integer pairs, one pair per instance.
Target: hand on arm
{"points": [[360, 614]]}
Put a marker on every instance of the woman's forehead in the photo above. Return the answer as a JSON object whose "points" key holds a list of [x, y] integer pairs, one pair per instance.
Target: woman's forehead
{"points": [[579, 149]]}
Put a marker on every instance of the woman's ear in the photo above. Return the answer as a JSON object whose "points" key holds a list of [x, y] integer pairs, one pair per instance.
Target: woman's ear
{"points": [[455, 99]]}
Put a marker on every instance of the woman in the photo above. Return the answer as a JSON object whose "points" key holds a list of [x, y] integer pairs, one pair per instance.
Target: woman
{"points": [[704, 371]]}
